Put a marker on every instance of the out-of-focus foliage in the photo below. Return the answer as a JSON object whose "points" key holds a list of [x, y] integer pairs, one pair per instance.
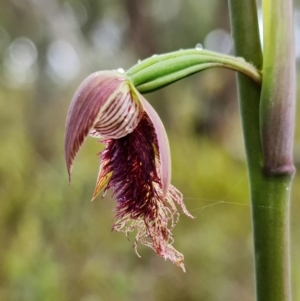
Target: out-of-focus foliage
{"points": [[55, 244]]}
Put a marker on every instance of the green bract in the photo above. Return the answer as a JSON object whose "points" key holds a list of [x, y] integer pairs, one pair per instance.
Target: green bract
{"points": [[159, 71]]}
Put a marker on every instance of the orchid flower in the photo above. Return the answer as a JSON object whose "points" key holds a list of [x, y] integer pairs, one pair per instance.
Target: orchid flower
{"points": [[135, 163]]}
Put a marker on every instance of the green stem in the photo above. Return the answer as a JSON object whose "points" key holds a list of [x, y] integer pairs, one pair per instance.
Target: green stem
{"points": [[161, 70], [277, 106], [270, 193], [270, 213]]}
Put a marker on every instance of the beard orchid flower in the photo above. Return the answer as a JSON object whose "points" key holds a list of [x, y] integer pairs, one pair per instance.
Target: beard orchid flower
{"points": [[135, 163]]}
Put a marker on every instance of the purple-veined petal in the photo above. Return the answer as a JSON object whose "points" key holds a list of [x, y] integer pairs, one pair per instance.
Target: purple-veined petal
{"points": [[120, 117], [97, 96], [163, 144]]}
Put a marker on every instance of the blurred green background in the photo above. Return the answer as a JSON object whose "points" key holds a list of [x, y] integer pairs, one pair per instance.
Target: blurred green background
{"points": [[57, 245]]}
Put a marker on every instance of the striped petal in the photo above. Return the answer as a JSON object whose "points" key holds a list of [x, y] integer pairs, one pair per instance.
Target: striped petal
{"points": [[102, 106], [120, 117]]}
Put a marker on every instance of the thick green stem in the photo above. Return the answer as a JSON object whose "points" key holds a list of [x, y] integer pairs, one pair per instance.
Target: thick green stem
{"points": [[270, 192], [270, 212]]}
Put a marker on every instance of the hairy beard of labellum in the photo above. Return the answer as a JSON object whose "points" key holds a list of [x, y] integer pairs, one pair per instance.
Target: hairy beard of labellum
{"points": [[134, 163]]}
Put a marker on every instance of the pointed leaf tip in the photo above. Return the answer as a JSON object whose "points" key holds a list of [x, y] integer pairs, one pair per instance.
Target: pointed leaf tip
{"points": [[102, 180]]}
